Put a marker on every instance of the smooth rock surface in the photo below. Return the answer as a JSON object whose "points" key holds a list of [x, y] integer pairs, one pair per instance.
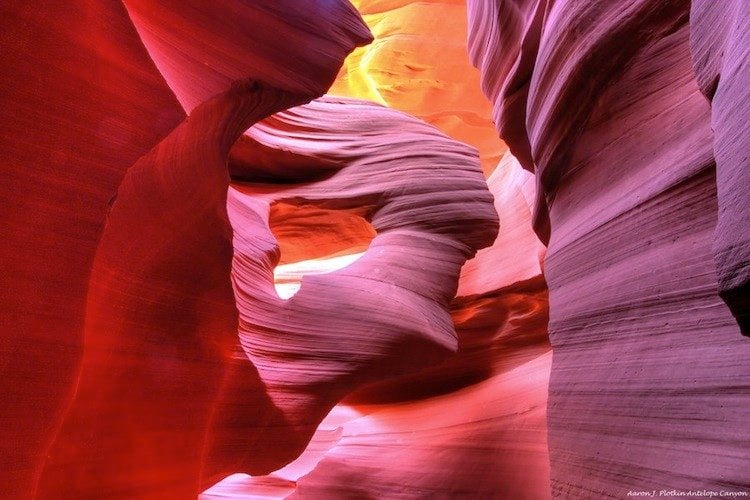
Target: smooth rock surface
{"points": [[202, 47], [160, 327], [382, 314], [81, 101], [473, 425], [291, 295]]}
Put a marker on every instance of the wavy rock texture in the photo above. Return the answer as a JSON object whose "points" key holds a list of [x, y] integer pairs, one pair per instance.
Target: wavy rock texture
{"points": [[385, 440], [162, 397], [202, 47], [720, 41], [158, 298], [648, 388], [380, 316], [160, 326], [505, 73], [482, 430], [92, 403], [486, 404], [152, 345]]}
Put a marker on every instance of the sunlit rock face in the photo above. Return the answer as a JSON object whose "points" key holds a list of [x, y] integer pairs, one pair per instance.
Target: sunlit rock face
{"points": [[418, 64], [604, 102]]}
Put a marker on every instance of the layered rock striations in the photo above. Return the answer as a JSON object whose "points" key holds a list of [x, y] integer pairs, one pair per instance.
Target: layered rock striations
{"points": [[382, 315], [98, 401], [472, 425], [648, 388], [720, 44], [160, 336], [201, 48], [387, 440], [218, 279], [161, 396]]}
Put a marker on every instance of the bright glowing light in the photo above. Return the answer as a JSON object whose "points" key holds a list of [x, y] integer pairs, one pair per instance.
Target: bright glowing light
{"points": [[288, 277]]}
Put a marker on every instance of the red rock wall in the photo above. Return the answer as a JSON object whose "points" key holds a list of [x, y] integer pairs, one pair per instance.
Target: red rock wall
{"points": [[158, 395], [116, 308], [487, 404], [649, 388], [81, 102]]}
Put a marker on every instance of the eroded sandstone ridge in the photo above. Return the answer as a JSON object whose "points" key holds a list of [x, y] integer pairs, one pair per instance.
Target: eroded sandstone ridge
{"points": [[486, 404], [220, 281], [649, 383], [117, 331], [162, 395]]}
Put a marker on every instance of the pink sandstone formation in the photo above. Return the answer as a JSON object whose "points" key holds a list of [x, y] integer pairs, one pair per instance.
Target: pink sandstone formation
{"points": [[486, 404], [720, 43], [85, 102], [649, 387], [220, 282], [200, 48]]}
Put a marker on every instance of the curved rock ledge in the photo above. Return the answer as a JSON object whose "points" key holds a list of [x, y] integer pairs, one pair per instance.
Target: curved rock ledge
{"points": [[80, 103], [159, 296], [202, 47], [413, 436], [160, 327], [382, 315], [85, 102]]}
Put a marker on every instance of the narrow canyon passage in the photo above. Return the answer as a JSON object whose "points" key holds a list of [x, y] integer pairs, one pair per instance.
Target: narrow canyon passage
{"points": [[374, 249]]}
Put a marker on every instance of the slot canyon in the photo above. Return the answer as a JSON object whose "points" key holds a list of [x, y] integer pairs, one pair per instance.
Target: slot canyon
{"points": [[374, 249]]}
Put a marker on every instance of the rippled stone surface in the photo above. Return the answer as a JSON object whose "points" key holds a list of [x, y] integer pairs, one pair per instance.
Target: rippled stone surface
{"points": [[288, 294], [96, 401], [648, 389]]}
